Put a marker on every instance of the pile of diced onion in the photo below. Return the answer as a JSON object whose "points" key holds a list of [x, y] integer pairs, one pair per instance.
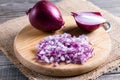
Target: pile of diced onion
{"points": [[64, 48]]}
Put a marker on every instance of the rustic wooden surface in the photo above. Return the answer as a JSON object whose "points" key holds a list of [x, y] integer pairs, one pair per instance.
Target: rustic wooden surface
{"points": [[31, 36], [13, 8]]}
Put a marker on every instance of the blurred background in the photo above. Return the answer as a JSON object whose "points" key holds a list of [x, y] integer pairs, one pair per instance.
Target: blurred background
{"points": [[13, 8]]}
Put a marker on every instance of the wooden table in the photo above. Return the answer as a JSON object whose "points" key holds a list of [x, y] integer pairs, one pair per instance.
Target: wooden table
{"points": [[14, 8]]}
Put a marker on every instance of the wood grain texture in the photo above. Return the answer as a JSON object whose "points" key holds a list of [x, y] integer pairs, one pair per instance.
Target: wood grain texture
{"points": [[14, 8], [24, 46]]}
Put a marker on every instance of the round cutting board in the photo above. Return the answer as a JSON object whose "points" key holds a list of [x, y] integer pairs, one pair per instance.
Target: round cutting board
{"points": [[25, 51]]}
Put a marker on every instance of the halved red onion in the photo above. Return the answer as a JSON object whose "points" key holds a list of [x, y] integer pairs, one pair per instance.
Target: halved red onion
{"points": [[64, 48], [45, 16], [89, 21]]}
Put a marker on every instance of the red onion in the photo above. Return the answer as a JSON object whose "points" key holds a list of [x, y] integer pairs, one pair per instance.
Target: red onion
{"points": [[64, 48], [45, 16], [89, 21]]}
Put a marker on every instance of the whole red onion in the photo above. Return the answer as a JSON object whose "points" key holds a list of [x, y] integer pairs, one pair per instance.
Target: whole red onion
{"points": [[89, 21], [45, 16]]}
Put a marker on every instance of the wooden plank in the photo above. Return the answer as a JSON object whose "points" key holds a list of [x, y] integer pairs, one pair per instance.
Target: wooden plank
{"points": [[4, 60], [113, 6], [110, 77], [10, 72], [106, 3]]}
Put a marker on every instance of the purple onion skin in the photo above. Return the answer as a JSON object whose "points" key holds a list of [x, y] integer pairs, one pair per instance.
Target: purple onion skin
{"points": [[45, 16], [88, 26]]}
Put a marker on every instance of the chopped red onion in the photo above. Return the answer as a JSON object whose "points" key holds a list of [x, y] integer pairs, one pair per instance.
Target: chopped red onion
{"points": [[64, 48]]}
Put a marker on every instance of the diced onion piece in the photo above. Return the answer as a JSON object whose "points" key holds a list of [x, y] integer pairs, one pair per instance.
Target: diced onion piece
{"points": [[64, 48]]}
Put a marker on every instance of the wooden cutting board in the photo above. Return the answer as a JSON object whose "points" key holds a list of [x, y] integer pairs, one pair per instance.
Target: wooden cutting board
{"points": [[25, 41]]}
